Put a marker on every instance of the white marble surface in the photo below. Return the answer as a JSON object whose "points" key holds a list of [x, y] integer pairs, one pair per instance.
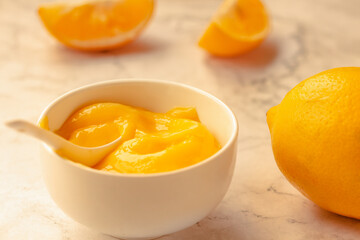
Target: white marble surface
{"points": [[307, 37]]}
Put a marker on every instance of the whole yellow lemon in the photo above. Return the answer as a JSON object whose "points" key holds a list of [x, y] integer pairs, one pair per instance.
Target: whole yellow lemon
{"points": [[315, 135]]}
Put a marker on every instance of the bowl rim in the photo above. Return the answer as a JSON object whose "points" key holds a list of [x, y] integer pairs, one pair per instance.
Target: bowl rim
{"points": [[231, 140]]}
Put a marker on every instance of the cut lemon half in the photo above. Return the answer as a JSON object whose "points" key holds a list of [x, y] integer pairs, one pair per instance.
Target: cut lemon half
{"points": [[237, 27], [96, 25]]}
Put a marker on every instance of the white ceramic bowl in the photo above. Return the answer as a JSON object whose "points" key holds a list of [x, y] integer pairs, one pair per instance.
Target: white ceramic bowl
{"points": [[141, 206]]}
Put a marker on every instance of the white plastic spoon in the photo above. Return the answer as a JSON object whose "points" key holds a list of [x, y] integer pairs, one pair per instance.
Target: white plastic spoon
{"points": [[88, 156]]}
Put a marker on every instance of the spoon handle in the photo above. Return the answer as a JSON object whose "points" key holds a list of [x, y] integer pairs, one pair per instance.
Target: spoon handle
{"points": [[31, 129]]}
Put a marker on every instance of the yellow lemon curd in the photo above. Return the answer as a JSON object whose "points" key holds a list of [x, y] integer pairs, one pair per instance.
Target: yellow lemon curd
{"points": [[150, 142]]}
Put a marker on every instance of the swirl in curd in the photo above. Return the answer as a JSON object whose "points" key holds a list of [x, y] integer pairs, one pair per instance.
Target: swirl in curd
{"points": [[150, 142]]}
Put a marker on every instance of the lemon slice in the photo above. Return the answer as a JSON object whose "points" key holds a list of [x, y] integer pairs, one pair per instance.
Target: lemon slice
{"points": [[237, 27], [96, 25]]}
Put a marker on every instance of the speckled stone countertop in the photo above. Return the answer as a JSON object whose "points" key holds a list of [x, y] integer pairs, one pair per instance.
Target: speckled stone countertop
{"points": [[307, 37]]}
